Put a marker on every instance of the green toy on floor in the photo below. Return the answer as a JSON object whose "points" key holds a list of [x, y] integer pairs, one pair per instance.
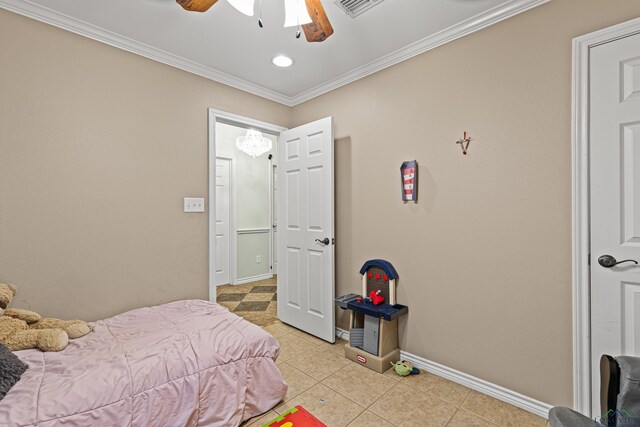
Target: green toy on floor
{"points": [[404, 368]]}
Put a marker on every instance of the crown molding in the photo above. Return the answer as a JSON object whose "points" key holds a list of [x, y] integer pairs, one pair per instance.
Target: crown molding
{"points": [[476, 23], [461, 29], [60, 20]]}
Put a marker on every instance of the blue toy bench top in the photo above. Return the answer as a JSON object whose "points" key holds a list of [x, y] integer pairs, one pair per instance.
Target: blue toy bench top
{"points": [[380, 263], [382, 311]]}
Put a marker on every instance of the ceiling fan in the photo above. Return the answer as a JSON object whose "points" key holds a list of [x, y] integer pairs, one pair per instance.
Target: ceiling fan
{"points": [[317, 27]]}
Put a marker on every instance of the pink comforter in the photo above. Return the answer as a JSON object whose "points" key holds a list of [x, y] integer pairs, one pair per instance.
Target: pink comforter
{"points": [[186, 363]]}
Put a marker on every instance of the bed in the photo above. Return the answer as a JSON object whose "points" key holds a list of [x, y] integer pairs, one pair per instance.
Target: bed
{"points": [[186, 363]]}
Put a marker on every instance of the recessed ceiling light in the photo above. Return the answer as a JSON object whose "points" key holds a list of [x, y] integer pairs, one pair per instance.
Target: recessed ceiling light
{"points": [[282, 61]]}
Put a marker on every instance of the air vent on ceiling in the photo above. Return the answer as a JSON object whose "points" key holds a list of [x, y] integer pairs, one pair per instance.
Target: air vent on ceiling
{"points": [[354, 8]]}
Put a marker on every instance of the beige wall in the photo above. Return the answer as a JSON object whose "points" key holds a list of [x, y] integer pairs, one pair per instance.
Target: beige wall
{"points": [[484, 258], [97, 149]]}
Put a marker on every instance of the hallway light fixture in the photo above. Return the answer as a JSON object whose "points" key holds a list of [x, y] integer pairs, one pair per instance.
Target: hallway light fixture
{"points": [[253, 143]]}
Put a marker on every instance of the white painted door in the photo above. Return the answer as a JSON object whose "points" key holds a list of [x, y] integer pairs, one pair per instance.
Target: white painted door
{"points": [[274, 225], [305, 249], [223, 229], [615, 201]]}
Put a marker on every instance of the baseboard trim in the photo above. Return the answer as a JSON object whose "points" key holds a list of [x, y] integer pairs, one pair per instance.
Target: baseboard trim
{"points": [[509, 396], [253, 279], [342, 333]]}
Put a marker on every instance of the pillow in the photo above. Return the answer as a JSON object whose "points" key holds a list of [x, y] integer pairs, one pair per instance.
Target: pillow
{"points": [[10, 369], [629, 398]]}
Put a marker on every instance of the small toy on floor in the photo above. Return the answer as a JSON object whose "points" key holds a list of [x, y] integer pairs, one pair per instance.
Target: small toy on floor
{"points": [[404, 368]]}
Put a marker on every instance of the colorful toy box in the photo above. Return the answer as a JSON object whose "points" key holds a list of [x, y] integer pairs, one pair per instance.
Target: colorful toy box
{"points": [[295, 417]]}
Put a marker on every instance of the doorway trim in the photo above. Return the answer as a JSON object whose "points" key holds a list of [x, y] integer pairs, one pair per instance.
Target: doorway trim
{"points": [[580, 208], [215, 116], [272, 240]]}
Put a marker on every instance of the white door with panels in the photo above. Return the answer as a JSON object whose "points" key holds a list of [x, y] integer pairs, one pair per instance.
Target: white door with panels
{"points": [[223, 229], [305, 230], [614, 151]]}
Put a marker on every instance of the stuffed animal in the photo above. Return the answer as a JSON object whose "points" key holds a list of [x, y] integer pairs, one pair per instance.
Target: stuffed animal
{"points": [[24, 329], [404, 368]]}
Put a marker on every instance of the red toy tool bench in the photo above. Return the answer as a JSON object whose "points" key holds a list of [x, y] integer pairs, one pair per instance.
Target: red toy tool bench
{"points": [[373, 320]]}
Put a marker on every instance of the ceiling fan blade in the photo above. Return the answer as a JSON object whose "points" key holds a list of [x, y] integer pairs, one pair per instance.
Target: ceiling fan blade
{"points": [[196, 5], [320, 29]]}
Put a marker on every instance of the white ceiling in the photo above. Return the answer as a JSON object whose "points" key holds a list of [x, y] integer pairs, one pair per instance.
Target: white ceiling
{"points": [[226, 46]]}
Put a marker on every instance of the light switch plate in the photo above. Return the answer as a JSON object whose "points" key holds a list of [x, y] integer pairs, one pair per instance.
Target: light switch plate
{"points": [[194, 204]]}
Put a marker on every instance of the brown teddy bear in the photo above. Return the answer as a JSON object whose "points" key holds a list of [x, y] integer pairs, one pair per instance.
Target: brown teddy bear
{"points": [[23, 329]]}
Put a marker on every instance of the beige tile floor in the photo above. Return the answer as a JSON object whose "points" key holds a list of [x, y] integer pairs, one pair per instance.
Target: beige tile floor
{"points": [[341, 393]]}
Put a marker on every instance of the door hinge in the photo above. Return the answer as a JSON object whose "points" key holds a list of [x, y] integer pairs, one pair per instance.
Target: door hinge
{"points": [[333, 240], [589, 259]]}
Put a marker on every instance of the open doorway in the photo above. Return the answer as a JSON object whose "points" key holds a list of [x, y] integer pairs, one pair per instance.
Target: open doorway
{"points": [[305, 290], [241, 220], [243, 199]]}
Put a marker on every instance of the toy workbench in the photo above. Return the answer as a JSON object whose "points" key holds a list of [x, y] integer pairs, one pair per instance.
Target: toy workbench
{"points": [[373, 317]]}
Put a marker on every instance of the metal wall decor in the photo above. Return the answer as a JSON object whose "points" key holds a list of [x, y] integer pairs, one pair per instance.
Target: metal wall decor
{"points": [[464, 143]]}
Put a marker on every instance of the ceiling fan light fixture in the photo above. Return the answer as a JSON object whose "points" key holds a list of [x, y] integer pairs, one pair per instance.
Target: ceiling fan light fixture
{"points": [[243, 6], [298, 13], [282, 61], [295, 13], [253, 143]]}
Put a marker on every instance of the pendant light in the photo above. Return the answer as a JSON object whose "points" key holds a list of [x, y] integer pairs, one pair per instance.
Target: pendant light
{"points": [[253, 143]]}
